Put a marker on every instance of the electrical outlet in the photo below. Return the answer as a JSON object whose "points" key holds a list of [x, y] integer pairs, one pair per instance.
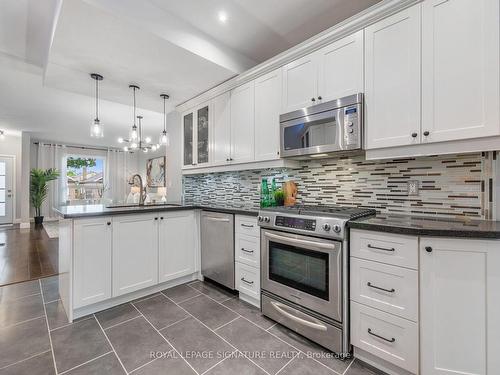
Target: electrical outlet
{"points": [[412, 187]]}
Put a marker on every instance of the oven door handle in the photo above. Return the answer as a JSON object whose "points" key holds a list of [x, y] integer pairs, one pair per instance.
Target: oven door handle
{"points": [[301, 242], [279, 307]]}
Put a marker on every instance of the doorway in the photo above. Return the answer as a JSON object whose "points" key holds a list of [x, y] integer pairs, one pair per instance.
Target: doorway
{"points": [[6, 190]]}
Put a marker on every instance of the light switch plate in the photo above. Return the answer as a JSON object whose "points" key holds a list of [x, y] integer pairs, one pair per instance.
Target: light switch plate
{"points": [[412, 187]]}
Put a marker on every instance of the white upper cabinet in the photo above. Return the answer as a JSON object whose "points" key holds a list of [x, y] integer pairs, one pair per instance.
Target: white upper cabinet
{"points": [[178, 245], [242, 123], [221, 129], [92, 260], [392, 80], [459, 306], [267, 111], [329, 73], [460, 75], [340, 67]]}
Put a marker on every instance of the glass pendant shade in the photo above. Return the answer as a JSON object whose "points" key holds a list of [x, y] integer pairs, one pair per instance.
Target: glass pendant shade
{"points": [[2, 135], [134, 134], [96, 129], [164, 138]]}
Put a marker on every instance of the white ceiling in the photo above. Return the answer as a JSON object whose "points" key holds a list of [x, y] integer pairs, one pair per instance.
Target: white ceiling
{"points": [[49, 47]]}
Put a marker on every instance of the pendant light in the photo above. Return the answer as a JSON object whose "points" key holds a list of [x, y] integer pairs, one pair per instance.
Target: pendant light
{"points": [[96, 129], [164, 138], [134, 136], [2, 135]]}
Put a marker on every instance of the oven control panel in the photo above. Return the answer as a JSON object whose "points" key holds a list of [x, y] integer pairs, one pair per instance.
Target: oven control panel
{"points": [[295, 223]]}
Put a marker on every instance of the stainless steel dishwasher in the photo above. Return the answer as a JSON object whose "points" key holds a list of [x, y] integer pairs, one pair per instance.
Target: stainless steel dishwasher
{"points": [[217, 247]]}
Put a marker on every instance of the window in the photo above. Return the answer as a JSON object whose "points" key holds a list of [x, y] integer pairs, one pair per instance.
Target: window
{"points": [[85, 178]]}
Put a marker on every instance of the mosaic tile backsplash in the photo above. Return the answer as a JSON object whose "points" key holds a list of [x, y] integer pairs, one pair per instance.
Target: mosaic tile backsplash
{"points": [[450, 185]]}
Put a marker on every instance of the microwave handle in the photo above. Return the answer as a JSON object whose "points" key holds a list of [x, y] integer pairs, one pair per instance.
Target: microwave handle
{"points": [[298, 241]]}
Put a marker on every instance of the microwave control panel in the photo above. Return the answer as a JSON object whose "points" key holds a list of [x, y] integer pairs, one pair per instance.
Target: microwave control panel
{"points": [[351, 126]]}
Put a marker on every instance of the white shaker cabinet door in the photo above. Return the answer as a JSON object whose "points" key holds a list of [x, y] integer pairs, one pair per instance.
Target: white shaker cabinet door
{"points": [[460, 75], [392, 80], [242, 123], [178, 245], [221, 147], [135, 252], [459, 306], [340, 67], [92, 261], [300, 83], [267, 116]]}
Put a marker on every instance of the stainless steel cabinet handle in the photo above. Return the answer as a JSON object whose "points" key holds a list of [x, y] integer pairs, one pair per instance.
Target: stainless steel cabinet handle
{"points": [[380, 337], [246, 251], [246, 281], [300, 242], [247, 225], [380, 248], [392, 290], [216, 219], [279, 307]]}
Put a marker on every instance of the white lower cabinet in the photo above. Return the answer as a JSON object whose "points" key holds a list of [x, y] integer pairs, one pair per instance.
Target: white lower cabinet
{"points": [[135, 252], [459, 306], [92, 260], [177, 245]]}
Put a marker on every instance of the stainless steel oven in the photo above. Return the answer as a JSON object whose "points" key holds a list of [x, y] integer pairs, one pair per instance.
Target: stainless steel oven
{"points": [[323, 129], [304, 270]]}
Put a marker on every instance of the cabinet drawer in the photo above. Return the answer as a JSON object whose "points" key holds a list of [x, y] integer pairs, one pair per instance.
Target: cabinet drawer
{"points": [[385, 335], [247, 250], [389, 288], [247, 225], [395, 249], [248, 280]]}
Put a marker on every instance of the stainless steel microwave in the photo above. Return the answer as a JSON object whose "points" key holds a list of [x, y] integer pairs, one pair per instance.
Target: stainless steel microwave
{"points": [[323, 129]]}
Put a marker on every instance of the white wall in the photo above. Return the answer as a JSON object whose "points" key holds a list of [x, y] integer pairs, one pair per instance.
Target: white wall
{"points": [[12, 146]]}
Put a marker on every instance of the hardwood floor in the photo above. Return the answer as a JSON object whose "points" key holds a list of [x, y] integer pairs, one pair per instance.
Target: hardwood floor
{"points": [[26, 254]]}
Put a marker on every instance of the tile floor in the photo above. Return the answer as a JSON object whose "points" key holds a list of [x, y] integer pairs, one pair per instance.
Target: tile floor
{"points": [[191, 329]]}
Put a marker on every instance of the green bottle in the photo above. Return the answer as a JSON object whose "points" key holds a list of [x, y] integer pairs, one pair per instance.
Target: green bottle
{"points": [[272, 200], [264, 193]]}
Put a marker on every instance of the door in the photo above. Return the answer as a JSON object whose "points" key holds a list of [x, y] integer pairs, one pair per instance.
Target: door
{"points": [[202, 135], [242, 123], [300, 83], [267, 116], [340, 67], [177, 241], [392, 80], [135, 252], [6, 190], [460, 75], [459, 306], [92, 252], [188, 139], [217, 247], [221, 128]]}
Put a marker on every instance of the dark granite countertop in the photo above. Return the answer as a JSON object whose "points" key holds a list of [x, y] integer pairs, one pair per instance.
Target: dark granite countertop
{"points": [[429, 226], [80, 211]]}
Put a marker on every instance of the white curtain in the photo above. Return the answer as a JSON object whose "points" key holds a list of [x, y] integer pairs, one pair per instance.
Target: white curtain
{"points": [[53, 156], [119, 168]]}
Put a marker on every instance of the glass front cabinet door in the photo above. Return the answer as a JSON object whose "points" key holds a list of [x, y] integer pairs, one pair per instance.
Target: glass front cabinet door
{"points": [[196, 132]]}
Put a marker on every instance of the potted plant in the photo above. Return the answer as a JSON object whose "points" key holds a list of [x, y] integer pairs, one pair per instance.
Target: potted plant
{"points": [[39, 189]]}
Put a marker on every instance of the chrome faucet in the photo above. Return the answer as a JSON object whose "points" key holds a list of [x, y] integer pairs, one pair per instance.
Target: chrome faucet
{"points": [[142, 192]]}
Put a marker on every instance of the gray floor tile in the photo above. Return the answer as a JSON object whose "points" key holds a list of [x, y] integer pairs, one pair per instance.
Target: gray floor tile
{"points": [[211, 313], [134, 341], [173, 365], [249, 338], [237, 365], [211, 290], [23, 340], [21, 309], [160, 311], [50, 288], [193, 339], [107, 364], [301, 366], [56, 315], [310, 349], [361, 368], [14, 291], [117, 314], [42, 364], [180, 293], [78, 343], [250, 312]]}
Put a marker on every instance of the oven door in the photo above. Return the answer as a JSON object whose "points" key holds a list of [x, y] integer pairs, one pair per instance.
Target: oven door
{"points": [[304, 270], [312, 134]]}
